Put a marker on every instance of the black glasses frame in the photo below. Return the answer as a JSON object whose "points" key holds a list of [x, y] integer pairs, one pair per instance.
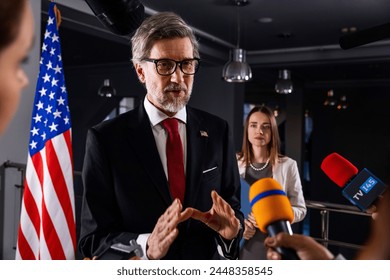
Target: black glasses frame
{"points": [[180, 63]]}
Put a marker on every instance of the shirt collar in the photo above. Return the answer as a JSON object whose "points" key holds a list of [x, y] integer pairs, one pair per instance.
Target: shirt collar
{"points": [[156, 116]]}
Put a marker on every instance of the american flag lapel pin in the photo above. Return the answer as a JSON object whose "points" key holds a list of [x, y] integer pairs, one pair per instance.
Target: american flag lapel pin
{"points": [[203, 133]]}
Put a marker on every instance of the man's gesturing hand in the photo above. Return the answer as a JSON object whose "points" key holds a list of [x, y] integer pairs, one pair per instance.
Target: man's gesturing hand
{"points": [[165, 231], [220, 217]]}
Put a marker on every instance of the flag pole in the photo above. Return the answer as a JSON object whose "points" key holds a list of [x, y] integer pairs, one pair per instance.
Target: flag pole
{"points": [[58, 16]]}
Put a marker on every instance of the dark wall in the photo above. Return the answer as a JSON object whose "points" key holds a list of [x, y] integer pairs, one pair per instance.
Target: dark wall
{"points": [[360, 134], [88, 109], [225, 100]]}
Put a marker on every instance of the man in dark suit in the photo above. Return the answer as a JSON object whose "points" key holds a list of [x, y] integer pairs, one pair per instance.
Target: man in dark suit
{"points": [[127, 173]]}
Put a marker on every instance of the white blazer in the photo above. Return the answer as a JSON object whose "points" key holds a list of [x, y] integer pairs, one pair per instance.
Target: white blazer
{"points": [[285, 172]]}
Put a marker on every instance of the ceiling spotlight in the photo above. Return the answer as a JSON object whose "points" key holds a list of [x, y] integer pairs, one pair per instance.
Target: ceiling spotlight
{"points": [[265, 20], [106, 90], [343, 103], [330, 99], [237, 69], [284, 84]]}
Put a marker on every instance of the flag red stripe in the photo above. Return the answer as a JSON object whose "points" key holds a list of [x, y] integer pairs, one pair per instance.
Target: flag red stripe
{"points": [[31, 208], [24, 247], [53, 242], [38, 166], [60, 187], [68, 139]]}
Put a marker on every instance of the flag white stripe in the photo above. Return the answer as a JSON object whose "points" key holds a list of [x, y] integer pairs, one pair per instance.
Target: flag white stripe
{"points": [[29, 232], [53, 206], [34, 183], [27, 227], [43, 249], [65, 161]]}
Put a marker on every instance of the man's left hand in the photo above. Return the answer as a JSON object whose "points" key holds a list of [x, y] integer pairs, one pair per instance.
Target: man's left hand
{"points": [[221, 217]]}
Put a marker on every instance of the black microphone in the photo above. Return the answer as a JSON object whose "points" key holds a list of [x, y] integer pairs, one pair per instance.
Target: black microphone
{"points": [[122, 17], [272, 210], [361, 188], [120, 251]]}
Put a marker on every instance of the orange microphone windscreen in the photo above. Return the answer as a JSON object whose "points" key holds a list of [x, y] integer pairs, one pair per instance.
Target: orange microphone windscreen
{"points": [[269, 203]]}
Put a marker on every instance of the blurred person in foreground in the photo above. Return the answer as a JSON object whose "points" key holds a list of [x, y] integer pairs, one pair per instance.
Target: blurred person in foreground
{"points": [[127, 178], [17, 32], [376, 248]]}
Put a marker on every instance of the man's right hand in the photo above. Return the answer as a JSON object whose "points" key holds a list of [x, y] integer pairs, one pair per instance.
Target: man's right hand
{"points": [[165, 231]]}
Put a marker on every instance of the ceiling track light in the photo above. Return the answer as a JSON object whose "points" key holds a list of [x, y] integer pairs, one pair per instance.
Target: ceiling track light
{"points": [[237, 69], [106, 90], [284, 84]]}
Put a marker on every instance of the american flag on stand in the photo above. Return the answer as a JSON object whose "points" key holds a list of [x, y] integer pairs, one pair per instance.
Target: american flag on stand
{"points": [[47, 227]]}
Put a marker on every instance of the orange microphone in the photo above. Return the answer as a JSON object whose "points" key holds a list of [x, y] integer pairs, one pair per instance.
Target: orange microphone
{"points": [[272, 210]]}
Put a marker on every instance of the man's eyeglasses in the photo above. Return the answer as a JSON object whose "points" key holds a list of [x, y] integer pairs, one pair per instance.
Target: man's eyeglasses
{"points": [[166, 67]]}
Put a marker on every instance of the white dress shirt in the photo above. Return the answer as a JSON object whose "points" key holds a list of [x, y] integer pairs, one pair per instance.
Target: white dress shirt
{"points": [[160, 136]]}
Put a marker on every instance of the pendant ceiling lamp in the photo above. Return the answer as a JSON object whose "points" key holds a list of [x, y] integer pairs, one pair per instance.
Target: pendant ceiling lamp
{"points": [[284, 84], [106, 90], [237, 69]]}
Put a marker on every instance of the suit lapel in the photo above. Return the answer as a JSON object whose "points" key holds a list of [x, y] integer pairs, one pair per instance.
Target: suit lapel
{"points": [[144, 145], [196, 147]]}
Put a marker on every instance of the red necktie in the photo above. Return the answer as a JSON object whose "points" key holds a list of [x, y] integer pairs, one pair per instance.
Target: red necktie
{"points": [[174, 150]]}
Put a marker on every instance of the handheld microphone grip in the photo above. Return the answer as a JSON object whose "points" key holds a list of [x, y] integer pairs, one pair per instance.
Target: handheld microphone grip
{"points": [[272, 211], [282, 226]]}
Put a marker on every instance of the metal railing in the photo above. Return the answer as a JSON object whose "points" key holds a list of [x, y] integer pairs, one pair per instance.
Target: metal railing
{"points": [[21, 168], [325, 210]]}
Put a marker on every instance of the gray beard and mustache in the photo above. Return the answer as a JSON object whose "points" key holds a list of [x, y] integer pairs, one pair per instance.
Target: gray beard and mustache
{"points": [[169, 103]]}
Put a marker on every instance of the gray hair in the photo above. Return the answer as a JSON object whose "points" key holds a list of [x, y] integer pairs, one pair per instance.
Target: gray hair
{"points": [[164, 25]]}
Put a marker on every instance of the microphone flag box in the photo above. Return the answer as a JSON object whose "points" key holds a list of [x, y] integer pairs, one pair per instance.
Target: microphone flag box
{"points": [[364, 189]]}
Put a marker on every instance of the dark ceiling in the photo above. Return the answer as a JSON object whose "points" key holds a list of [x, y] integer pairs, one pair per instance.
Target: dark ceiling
{"points": [[294, 23], [301, 35]]}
